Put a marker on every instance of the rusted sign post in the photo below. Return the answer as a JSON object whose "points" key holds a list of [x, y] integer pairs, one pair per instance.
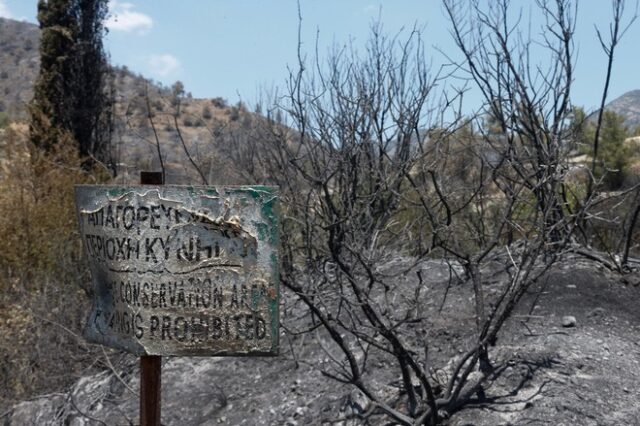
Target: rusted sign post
{"points": [[151, 365], [181, 271]]}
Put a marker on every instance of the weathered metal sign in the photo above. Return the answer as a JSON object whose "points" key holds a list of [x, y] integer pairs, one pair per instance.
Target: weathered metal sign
{"points": [[182, 270]]}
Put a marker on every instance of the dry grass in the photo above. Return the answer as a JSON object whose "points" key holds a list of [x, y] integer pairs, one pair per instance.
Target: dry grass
{"points": [[42, 272]]}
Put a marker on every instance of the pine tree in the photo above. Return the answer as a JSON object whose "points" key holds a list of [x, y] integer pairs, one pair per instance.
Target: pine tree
{"points": [[73, 96], [613, 155], [614, 158]]}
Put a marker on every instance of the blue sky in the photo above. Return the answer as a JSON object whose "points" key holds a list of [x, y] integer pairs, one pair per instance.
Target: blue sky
{"points": [[233, 48]]}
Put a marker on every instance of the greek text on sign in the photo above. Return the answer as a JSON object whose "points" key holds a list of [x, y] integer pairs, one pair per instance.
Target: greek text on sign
{"points": [[182, 270]]}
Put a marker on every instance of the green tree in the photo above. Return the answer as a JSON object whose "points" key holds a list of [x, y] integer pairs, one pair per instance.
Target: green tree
{"points": [[580, 131], [177, 93], [73, 95], [613, 154], [613, 158]]}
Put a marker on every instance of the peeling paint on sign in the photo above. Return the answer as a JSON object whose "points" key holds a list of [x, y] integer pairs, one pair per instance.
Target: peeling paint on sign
{"points": [[182, 270]]}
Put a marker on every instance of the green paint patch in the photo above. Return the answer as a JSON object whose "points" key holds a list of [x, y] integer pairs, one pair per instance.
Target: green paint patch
{"points": [[256, 192], [274, 308], [116, 192], [270, 213], [256, 297], [263, 230]]}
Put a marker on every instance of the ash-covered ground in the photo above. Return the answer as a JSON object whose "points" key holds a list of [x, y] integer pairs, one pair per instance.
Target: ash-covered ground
{"points": [[550, 368]]}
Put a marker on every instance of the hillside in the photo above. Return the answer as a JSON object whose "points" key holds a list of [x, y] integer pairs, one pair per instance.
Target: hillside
{"points": [[208, 126], [628, 106], [205, 124], [19, 64]]}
